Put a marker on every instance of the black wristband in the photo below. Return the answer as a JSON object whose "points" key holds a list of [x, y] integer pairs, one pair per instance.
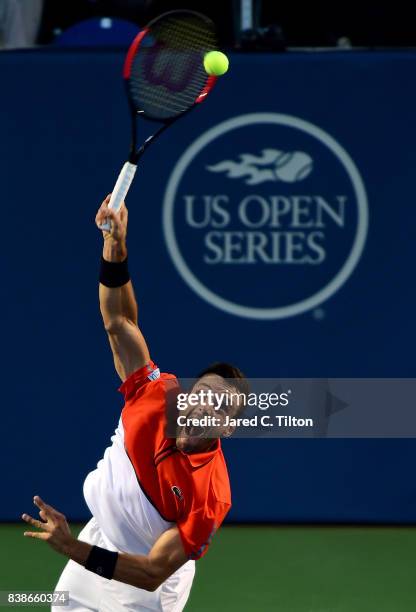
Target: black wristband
{"points": [[102, 562], [113, 273]]}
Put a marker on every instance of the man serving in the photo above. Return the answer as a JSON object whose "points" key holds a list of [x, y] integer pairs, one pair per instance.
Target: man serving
{"points": [[156, 501]]}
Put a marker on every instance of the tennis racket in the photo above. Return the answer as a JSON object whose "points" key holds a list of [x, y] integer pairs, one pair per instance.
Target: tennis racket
{"points": [[165, 78]]}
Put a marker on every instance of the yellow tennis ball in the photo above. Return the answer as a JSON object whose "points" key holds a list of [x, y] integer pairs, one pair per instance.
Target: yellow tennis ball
{"points": [[216, 63]]}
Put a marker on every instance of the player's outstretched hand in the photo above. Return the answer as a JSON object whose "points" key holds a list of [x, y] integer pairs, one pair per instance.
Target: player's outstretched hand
{"points": [[118, 220], [54, 528]]}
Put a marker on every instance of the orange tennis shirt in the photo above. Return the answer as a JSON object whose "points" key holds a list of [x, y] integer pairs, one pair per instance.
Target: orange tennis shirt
{"points": [[191, 490]]}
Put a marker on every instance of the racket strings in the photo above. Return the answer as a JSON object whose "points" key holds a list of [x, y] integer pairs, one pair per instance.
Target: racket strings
{"points": [[190, 29], [181, 102], [167, 109], [174, 62], [167, 72], [194, 37], [153, 94]]}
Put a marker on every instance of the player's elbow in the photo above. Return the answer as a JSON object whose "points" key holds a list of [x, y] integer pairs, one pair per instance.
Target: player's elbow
{"points": [[151, 583], [155, 576], [113, 325]]}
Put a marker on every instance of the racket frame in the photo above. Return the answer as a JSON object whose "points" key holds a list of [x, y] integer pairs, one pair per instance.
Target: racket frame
{"points": [[128, 171]]}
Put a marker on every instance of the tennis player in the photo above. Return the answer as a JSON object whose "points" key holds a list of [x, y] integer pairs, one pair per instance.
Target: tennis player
{"points": [[155, 501]]}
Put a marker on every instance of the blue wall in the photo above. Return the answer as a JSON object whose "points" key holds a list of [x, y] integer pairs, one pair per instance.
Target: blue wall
{"points": [[64, 134]]}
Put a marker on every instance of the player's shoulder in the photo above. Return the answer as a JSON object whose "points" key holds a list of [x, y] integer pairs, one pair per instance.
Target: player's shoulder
{"points": [[147, 378]]}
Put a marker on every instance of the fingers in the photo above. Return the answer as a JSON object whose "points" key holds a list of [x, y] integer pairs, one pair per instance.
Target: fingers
{"points": [[108, 213], [54, 528], [38, 501], [42, 505], [103, 208], [115, 220], [36, 534], [105, 202], [107, 216], [32, 521], [101, 212], [124, 213], [47, 510]]}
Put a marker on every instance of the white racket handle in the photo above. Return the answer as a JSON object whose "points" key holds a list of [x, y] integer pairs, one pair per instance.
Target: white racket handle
{"points": [[125, 179]]}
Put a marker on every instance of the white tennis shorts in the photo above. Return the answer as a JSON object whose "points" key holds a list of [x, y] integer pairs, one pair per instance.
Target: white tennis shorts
{"points": [[89, 592]]}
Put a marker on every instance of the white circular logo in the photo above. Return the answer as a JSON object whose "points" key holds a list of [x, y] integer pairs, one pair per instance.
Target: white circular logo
{"points": [[271, 214]]}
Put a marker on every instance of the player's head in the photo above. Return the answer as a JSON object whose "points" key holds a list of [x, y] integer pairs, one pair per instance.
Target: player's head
{"points": [[220, 392], [223, 377]]}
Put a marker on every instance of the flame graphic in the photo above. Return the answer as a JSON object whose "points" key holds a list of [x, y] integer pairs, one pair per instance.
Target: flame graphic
{"points": [[271, 165]]}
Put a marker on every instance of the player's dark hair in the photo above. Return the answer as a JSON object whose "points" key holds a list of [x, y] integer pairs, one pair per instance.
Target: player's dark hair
{"points": [[229, 371]]}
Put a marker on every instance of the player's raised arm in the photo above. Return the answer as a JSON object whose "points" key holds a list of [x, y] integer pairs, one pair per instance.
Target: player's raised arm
{"points": [[117, 301]]}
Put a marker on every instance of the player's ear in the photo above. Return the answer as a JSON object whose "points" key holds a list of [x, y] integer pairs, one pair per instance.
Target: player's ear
{"points": [[228, 431]]}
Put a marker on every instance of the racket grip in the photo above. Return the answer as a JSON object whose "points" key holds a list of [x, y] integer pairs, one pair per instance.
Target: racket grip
{"points": [[125, 179]]}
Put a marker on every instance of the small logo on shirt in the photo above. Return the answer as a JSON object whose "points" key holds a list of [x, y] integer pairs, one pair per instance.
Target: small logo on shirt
{"points": [[154, 375], [176, 491]]}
